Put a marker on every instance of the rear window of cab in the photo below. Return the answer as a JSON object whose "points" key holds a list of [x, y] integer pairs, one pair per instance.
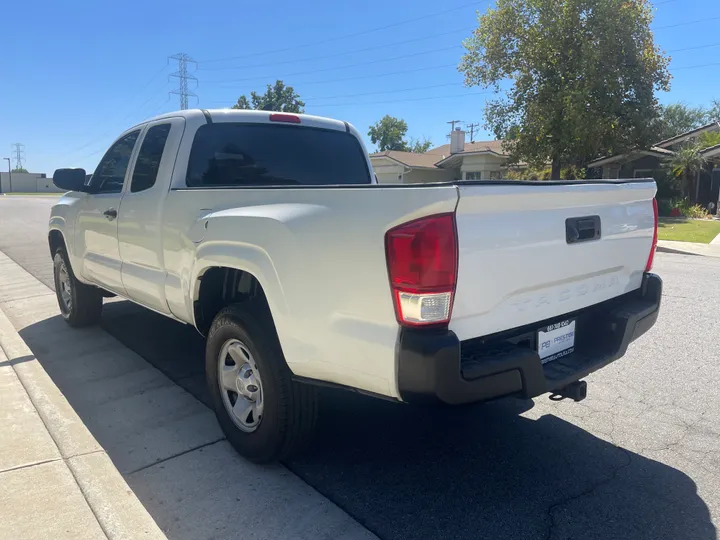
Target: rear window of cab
{"points": [[251, 154]]}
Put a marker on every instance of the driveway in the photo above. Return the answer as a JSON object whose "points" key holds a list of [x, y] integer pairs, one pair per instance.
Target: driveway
{"points": [[640, 458]]}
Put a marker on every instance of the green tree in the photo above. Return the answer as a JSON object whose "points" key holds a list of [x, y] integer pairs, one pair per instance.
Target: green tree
{"points": [[389, 132], [679, 118], [709, 138], [277, 97], [574, 79], [685, 165], [714, 111], [418, 146], [19, 170]]}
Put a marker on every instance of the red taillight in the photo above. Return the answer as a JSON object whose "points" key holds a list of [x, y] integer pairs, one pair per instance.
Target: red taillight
{"points": [[651, 257], [422, 264], [280, 117]]}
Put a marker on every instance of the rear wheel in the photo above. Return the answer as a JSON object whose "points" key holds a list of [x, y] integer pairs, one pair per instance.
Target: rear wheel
{"points": [[80, 304], [265, 415]]}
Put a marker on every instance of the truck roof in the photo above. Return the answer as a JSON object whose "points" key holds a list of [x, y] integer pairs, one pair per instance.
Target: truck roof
{"points": [[243, 115]]}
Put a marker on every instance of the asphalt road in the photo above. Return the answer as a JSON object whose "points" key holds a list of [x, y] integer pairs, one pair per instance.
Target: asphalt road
{"points": [[639, 458]]}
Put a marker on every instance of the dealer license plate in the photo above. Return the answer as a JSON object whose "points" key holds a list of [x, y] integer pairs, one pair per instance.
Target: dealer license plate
{"points": [[556, 341]]}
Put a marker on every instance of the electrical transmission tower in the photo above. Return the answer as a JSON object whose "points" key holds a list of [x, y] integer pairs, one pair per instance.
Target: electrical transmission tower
{"points": [[182, 74], [19, 151]]}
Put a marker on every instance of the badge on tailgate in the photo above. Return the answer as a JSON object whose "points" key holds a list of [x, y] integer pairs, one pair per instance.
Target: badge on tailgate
{"points": [[556, 340]]}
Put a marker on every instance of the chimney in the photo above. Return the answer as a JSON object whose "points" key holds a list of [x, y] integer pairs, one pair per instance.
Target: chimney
{"points": [[457, 141]]}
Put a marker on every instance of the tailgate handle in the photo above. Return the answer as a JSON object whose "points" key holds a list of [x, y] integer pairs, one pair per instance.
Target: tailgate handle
{"points": [[582, 229]]}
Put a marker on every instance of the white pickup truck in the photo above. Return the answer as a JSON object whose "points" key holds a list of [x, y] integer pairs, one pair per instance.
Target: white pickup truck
{"points": [[267, 233]]}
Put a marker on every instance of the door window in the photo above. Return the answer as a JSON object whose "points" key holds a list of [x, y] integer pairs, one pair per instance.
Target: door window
{"points": [[109, 175], [148, 160]]}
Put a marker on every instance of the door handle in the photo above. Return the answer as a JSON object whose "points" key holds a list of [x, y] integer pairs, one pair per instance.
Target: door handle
{"points": [[110, 213]]}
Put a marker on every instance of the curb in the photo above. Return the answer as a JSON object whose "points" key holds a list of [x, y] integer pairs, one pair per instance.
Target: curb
{"points": [[678, 252], [118, 511]]}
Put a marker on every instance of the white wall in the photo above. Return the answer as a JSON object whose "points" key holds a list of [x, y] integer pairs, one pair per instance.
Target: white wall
{"points": [[27, 183], [423, 176], [387, 170], [483, 163]]}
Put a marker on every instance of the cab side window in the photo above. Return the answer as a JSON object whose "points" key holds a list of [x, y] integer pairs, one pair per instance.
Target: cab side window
{"points": [[148, 161], [109, 175]]}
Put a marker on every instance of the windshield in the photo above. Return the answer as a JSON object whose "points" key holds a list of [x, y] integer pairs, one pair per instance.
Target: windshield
{"points": [[241, 155]]}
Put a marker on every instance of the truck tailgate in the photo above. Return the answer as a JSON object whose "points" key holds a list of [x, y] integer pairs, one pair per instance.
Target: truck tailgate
{"points": [[517, 265]]}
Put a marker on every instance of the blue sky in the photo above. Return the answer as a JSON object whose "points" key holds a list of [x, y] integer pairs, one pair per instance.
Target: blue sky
{"points": [[77, 73]]}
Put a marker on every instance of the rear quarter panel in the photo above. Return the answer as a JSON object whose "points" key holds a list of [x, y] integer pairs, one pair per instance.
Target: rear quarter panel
{"points": [[318, 253]]}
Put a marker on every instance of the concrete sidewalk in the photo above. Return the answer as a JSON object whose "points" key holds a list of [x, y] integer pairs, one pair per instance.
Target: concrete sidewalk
{"points": [[689, 248], [56, 481], [83, 408]]}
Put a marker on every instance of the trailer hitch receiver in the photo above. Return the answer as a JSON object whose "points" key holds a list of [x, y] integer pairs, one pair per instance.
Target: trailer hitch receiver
{"points": [[576, 391]]}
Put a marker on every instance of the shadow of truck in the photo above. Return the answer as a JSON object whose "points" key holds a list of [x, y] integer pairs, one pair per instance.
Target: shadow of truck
{"points": [[404, 472]]}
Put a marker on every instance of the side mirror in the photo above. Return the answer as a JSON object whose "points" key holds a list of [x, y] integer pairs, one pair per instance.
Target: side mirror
{"points": [[70, 179]]}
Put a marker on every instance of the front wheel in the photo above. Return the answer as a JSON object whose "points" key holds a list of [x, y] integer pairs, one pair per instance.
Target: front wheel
{"points": [[80, 304], [265, 415]]}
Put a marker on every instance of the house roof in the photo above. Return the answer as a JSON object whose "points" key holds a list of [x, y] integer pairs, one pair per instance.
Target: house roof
{"points": [[711, 151], [411, 159], [652, 151], [688, 135], [433, 157], [470, 148]]}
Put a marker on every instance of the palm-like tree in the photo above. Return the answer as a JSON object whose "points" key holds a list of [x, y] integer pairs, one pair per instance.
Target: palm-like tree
{"points": [[710, 138], [685, 165]]}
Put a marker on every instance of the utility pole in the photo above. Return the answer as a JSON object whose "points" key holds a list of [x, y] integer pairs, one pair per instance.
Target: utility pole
{"points": [[472, 127], [19, 151], [452, 124], [182, 74], [9, 174]]}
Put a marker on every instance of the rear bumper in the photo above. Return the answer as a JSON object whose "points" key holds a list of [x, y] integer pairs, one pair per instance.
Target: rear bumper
{"points": [[435, 365]]}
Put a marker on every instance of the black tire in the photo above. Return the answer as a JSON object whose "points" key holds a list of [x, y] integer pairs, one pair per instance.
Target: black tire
{"points": [[290, 408], [86, 301]]}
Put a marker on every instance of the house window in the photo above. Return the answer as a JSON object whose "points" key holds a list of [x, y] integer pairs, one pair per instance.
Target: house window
{"points": [[474, 175], [643, 173], [495, 175]]}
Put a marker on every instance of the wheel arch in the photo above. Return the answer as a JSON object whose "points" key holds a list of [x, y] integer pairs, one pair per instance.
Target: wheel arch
{"points": [[56, 240], [218, 286]]}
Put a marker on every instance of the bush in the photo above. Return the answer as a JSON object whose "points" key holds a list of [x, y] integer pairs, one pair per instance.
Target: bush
{"points": [[687, 209], [571, 172], [665, 206]]}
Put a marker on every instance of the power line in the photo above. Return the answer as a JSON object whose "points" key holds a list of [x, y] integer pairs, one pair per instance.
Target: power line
{"points": [[182, 74], [687, 23], [334, 55], [695, 48], [399, 100], [354, 78], [696, 66], [384, 91], [346, 36], [128, 115], [103, 137], [19, 151], [346, 66], [310, 99]]}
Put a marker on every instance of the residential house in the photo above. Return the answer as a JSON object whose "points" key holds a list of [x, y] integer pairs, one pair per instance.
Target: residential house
{"points": [[455, 161], [650, 163]]}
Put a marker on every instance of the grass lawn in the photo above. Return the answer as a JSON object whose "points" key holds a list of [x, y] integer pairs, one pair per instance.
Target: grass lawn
{"points": [[692, 230]]}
